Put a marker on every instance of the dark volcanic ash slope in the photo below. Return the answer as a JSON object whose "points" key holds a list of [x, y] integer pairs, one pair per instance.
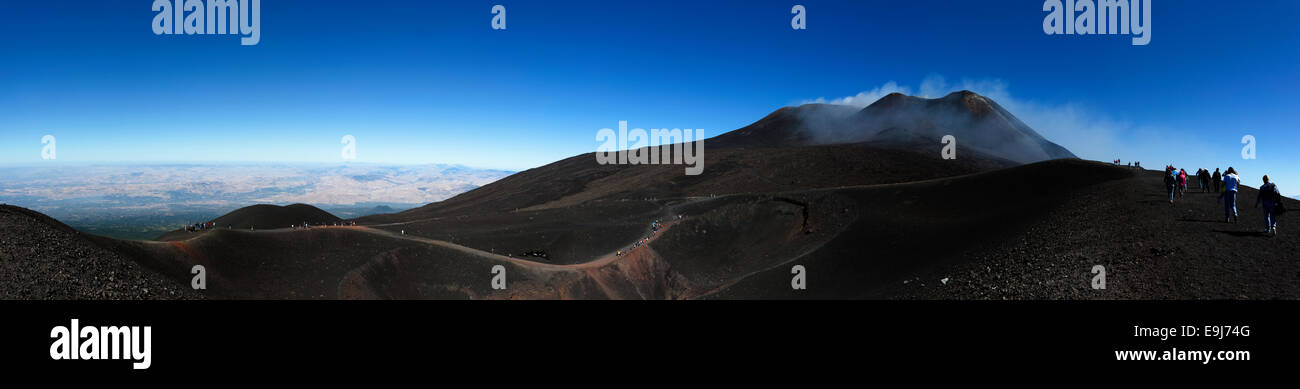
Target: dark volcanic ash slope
{"points": [[859, 241], [1035, 232], [320, 263], [41, 258], [366, 263], [575, 209], [1150, 249], [268, 216], [579, 179]]}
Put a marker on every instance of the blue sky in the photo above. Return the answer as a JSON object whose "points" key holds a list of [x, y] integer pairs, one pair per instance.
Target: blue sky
{"points": [[431, 82]]}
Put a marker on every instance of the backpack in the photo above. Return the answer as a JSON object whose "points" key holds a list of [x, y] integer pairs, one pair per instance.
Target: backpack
{"points": [[1276, 196], [1272, 194]]}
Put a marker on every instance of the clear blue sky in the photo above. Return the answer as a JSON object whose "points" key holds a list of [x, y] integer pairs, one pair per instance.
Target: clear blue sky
{"points": [[431, 82]]}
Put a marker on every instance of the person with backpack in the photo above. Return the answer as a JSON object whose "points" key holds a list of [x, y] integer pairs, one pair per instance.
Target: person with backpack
{"points": [[1272, 199], [1171, 182], [1229, 196], [1218, 180]]}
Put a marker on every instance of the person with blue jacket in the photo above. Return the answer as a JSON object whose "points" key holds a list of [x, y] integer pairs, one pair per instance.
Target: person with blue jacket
{"points": [[1270, 196], [1171, 182], [1230, 183]]}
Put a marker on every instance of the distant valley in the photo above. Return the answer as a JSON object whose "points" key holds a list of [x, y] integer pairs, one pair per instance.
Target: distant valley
{"points": [[143, 201]]}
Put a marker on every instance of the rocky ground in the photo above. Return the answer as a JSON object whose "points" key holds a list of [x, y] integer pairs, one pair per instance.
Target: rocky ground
{"points": [[1149, 248], [41, 258]]}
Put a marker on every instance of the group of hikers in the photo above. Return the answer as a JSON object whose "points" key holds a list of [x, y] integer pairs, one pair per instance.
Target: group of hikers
{"points": [[1131, 164], [1205, 181], [200, 226], [1227, 185], [307, 226], [654, 227]]}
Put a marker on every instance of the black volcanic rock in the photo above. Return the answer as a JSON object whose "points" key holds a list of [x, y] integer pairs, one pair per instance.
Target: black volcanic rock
{"points": [[41, 258]]}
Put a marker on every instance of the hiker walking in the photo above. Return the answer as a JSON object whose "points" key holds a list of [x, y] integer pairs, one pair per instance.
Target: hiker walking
{"points": [[1182, 182], [1229, 196], [1272, 199], [1171, 182], [1218, 181]]}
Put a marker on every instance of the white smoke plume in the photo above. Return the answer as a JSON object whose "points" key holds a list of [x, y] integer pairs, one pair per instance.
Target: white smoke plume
{"points": [[1088, 134]]}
